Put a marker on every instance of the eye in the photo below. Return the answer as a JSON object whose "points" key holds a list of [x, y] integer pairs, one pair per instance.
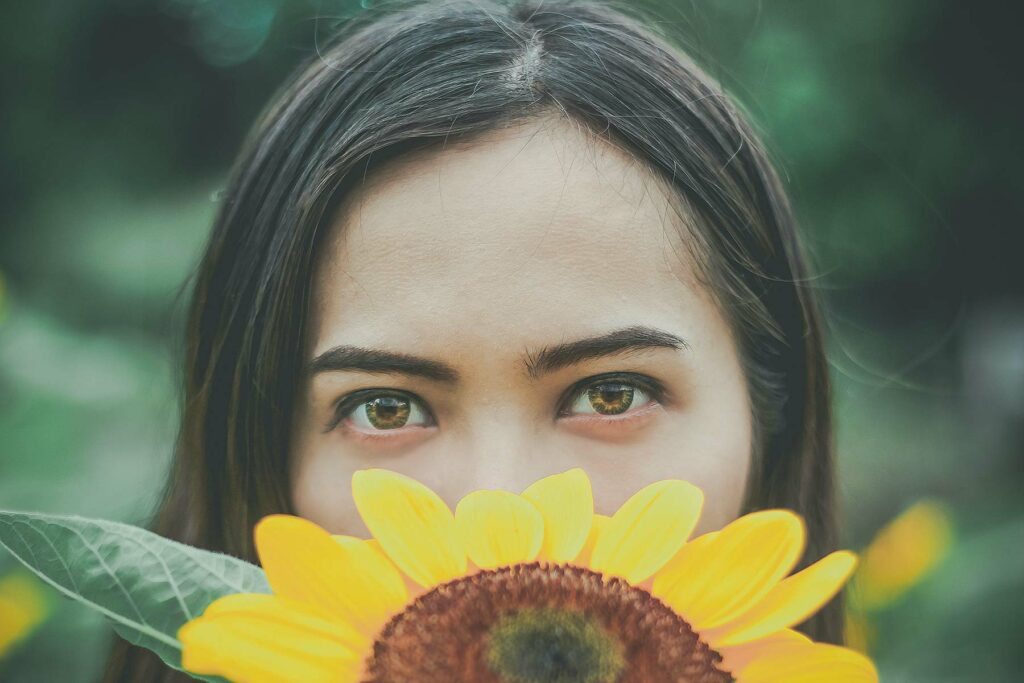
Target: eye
{"points": [[612, 395], [376, 411]]}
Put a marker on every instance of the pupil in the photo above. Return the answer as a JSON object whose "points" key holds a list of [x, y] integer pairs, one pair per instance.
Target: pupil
{"points": [[611, 399], [387, 412]]}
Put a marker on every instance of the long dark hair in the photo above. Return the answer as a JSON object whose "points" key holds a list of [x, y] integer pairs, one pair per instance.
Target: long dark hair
{"points": [[415, 75]]}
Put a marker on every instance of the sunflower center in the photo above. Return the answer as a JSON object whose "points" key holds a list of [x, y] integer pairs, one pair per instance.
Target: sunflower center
{"points": [[553, 646], [540, 623]]}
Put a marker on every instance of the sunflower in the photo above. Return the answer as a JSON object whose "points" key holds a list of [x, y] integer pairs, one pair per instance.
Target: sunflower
{"points": [[528, 588]]}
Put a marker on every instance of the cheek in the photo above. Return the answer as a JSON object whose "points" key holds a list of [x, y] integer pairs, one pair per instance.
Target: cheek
{"points": [[717, 457], [322, 490], [708, 443], [720, 469]]}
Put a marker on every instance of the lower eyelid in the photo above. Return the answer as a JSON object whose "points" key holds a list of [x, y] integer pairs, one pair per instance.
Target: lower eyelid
{"points": [[622, 419], [618, 424], [384, 435]]}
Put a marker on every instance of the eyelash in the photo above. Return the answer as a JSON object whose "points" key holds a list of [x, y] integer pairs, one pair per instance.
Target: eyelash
{"points": [[649, 385]]}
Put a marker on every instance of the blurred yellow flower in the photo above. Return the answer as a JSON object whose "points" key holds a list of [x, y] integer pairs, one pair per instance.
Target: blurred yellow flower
{"points": [[528, 587], [860, 632], [23, 606], [902, 554]]}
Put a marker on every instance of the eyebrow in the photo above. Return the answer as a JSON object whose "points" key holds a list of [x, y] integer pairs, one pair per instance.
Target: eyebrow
{"points": [[544, 361]]}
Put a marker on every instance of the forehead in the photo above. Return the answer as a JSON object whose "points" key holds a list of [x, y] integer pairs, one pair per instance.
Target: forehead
{"points": [[518, 230]]}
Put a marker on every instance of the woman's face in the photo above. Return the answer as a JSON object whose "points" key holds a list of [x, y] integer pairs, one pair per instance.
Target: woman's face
{"points": [[502, 310]]}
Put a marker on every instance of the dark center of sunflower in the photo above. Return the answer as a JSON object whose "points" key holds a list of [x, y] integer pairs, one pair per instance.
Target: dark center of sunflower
{"points": [[553, 646], [540, 623]]}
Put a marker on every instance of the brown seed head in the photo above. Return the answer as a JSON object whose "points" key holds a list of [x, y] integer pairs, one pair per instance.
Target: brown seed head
{"points": [[540, 623]]}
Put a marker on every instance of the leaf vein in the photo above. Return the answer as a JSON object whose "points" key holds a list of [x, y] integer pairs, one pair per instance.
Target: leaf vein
{"points": [[143, 628]]}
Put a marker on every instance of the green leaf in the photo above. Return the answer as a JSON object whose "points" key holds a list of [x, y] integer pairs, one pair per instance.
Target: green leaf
{"points": [[147, 585]]}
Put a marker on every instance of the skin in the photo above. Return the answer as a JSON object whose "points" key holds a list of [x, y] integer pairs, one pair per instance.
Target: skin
{"points": [[482, 252]]}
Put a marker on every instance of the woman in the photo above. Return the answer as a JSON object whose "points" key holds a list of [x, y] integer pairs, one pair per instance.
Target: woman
{"points": [[479, 244]]}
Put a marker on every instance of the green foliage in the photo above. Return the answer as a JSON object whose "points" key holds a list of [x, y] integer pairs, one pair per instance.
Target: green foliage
{"points": [[148, 586]]}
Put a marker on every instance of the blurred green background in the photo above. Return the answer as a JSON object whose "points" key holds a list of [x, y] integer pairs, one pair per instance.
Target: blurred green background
{"points": [[896, 125]]}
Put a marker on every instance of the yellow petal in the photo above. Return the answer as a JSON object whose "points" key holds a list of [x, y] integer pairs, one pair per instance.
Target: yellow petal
{"points": [[375, 589], [672, 578], [301, 616], [790, 602], [810, 663], [746, 560], [413, 525], [859, 631], [499, 528], [597, 524], [736, 658], [566, 503], [350, 579], [648, 530], [264, 640]]}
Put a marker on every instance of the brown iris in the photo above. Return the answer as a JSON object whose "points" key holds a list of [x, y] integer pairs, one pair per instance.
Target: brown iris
{"points": [[540, 623], [610, 399], [387, 412]]}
